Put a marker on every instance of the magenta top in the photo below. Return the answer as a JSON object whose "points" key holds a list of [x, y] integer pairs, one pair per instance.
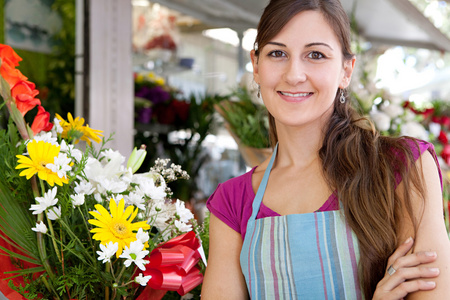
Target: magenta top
{"points": [[232, 201]]}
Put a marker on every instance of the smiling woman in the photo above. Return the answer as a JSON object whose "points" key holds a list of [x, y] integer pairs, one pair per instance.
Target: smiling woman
{"points": [[338, 208]]}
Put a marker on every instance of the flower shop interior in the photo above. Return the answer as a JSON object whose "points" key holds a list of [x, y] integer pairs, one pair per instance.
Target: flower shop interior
{"points": [[176, 77]]}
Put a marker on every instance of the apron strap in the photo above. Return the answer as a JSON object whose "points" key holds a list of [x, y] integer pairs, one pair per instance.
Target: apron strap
{"points": [[262, 186]]}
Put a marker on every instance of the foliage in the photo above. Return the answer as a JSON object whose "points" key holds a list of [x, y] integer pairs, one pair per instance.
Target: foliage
{"points": [[246, 119], [176, 127], [96, 222]]}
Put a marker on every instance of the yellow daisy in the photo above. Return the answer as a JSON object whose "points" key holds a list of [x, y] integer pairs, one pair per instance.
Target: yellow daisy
{"points": [[74, 129], [40, 154], [115, 227]]}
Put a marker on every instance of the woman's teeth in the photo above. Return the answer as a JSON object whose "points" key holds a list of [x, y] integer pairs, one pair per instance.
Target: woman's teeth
{"points": [[295, 95]]}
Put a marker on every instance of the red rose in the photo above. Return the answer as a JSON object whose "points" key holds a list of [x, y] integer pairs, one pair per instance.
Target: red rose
{"points": [[445, 154], [443, 137]]}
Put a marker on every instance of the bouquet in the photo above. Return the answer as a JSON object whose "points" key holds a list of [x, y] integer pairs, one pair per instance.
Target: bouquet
{"points": [[77, 222]]}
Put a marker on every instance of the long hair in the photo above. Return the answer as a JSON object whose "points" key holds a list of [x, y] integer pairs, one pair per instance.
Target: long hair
{"points": [[364, 167]]}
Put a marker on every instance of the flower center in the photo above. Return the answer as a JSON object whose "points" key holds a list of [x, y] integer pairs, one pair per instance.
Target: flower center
{"points": [[120, 229]]}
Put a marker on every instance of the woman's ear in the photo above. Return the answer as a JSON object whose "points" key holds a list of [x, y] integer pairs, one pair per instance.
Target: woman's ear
{"points": [[255, 66], [349, 65]]}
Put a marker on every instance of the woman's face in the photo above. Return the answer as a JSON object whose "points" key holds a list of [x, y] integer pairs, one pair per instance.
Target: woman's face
{"points": [[300, 70]]}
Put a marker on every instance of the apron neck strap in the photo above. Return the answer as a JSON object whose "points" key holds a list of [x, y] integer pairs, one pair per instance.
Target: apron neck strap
{"points": [[262, 186]]}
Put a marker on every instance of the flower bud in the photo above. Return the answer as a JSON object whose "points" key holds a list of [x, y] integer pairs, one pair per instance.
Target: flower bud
{"points": [[136, 159]]}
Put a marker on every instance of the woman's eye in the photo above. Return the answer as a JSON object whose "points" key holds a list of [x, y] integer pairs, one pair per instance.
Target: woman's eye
{"points": [[315, 55], [276, 53]]}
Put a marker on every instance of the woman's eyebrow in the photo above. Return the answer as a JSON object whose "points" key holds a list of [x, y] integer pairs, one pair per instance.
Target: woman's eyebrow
{"points": [[318, 44], [306, 46], [277, 44]]}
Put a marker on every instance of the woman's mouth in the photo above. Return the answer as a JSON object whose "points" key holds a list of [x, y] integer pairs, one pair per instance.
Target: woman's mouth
{"points": [[295, 97], [295, 94]]}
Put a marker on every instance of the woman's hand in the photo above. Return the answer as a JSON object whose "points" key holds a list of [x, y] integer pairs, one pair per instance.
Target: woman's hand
{"points": [[404, 273]]}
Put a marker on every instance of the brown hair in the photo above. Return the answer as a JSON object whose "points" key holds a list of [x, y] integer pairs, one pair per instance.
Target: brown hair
{"points": [[364, 166]]}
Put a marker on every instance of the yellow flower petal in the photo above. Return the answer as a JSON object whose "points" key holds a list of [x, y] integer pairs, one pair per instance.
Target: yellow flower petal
{"points": [[115, 226]]}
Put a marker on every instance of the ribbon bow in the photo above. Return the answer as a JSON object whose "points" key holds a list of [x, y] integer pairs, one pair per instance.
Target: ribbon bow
{"points": [[173, 265]]}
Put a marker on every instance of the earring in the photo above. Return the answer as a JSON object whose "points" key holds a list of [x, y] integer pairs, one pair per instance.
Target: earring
{"points": [[258, 94], [342, 97]]}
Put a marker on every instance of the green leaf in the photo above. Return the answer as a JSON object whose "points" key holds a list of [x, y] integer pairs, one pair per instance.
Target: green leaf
{"points": [[16, 224], [17, 255], [24, 271]]}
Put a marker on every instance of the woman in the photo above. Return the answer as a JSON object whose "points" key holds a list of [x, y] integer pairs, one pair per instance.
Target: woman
{"points": [[340, 212]]}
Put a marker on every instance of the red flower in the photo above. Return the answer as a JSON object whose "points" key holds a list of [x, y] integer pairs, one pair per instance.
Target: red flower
{"points": [[24, 93], [443, 137], [11, 74], [426, 113], [8, 56], [41, 121], [445, 154]]}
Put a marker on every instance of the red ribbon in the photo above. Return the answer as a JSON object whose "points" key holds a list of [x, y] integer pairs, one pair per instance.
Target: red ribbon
{"points": [[173, 266]]}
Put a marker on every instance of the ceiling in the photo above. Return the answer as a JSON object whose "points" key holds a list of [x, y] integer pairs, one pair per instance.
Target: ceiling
{"points": [[390, 22]]}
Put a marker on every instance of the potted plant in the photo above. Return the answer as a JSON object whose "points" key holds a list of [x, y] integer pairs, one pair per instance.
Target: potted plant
{"points": [[248, 124]]}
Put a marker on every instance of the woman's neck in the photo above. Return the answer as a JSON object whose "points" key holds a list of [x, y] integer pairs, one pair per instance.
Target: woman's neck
{"points": [[298, 146]]}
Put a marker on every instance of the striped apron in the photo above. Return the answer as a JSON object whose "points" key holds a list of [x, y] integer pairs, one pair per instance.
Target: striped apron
{"points": [[299, 256]]}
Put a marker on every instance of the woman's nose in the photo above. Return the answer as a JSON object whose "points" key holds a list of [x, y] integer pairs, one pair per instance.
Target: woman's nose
{"points": [[295, 72]]}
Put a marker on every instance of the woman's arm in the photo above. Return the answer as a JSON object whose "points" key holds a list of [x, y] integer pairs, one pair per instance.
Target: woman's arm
{"points": [[223, 277], [423, 272], [431, 234]]}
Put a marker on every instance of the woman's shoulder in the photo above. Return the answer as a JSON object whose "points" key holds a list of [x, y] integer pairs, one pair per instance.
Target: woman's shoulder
{"points": [[400, 147], [406, 151], [228, 202]]}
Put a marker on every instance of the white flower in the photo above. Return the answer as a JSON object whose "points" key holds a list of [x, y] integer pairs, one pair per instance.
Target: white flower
{"points": [[113, 155], [142, 280], [393, 110], [135, 253], [188, 296], [113, 185], [84, 187], [136, 199], [54, 213], [435, 128], [183, 227], [146, 183], [45, 202], [107, 251], [61, 165], [71, 150], [184, 213], [40, 227], [58, 127], [409, 115], [46, 137], [414, 129], [98, 197], [142, 236], [382, 120], [77, 199]]}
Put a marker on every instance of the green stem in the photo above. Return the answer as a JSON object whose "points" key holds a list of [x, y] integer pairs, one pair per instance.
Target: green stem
{"points": [[41, 182], [49, 287], [40, 237], [75, 237], [55, 246], [121, 273], [108, 270], [87, 228]]}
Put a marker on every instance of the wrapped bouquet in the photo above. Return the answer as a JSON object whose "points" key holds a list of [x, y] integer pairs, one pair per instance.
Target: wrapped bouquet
{"points": [[79, 222]]}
